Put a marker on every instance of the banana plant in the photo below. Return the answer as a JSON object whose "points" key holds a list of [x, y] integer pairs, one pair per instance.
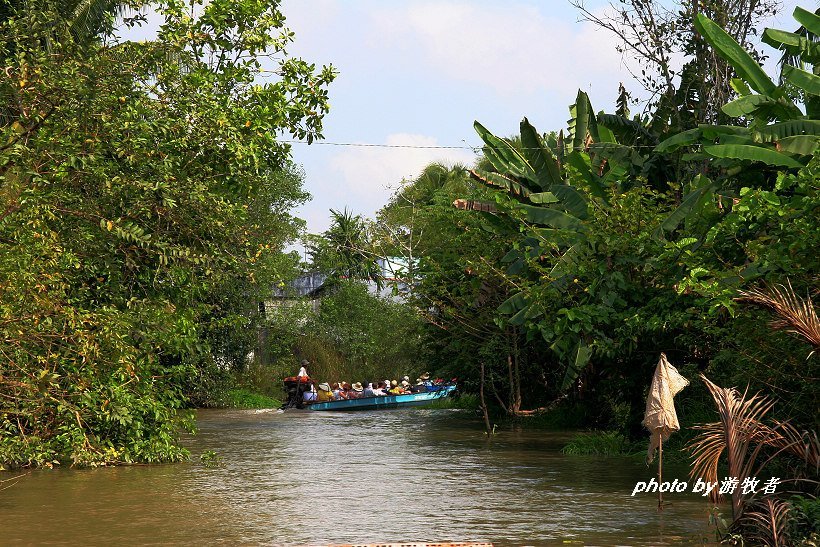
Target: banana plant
{"points": [[554, 182], [775, 122], [776, 133]]}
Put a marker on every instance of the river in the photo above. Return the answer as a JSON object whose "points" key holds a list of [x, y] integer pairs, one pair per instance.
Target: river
{"points": [[305, 477]]}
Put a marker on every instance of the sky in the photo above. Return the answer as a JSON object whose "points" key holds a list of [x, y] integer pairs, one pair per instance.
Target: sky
{"points": [[419, 72]]}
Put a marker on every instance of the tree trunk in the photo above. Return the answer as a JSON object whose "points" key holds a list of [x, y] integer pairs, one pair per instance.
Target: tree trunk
{"points": [[487, 426], [516, 374]]}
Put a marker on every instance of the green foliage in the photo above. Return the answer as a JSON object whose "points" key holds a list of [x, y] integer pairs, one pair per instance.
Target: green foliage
{"points": [[344, 252], [143, 203], [243, 398], [209, 458], [805, 517], [465, 401], [598, 443], [598, 281], [358, 336]]}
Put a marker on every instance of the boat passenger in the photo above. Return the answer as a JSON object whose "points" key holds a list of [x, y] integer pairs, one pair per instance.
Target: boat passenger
{"points": [[381, 391], [368, 391], [325, 394], [423, 383], [395, 389], [309, 394], [336, 388], [355, 391], [344, 391]]}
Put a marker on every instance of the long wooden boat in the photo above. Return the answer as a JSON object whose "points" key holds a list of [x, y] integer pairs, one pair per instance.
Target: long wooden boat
{"points": [[387, 401]]}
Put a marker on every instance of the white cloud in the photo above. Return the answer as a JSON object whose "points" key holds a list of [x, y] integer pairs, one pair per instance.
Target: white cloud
{"points": [[368, 175], [510, 48]]}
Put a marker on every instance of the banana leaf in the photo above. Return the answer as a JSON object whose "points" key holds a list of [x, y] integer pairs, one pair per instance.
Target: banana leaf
{"points": [[519, 318], [511, 256], [497, 224], [616, 153], [513, 304], [804, 145], [781, 130], [809, 20], [583, 122], [746, 105], [605, 134], [581, 162], [539, 157], [550, 217], [516, 267], [736, 139], [568, 263], [684, 138], [628, 131], [804, 80], [580, 360], [752, 153], [500, 181], [715, 131], [571, 200], [691, 204], [743, 63], [793, 44], [740, 87], [503, 155], [543, 198]]}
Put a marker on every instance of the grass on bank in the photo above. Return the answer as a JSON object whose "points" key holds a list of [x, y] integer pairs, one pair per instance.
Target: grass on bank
{"points": [[464, 401], [245, 398], [599, 443]]}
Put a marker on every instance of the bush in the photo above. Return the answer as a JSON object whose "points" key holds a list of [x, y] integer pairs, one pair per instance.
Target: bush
{"points": [[805, 517], [599, 443], [464, 401], [244, 398]]}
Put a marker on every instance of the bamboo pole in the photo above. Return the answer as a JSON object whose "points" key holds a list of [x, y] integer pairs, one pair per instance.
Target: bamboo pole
{"points": [[660, 471]]}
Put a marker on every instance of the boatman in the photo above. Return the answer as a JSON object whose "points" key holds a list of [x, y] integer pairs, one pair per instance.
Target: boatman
{"points": [[303, 371]]}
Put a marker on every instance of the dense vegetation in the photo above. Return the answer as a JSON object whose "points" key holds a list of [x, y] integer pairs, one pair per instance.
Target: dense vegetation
{"points": [[144, 205]]}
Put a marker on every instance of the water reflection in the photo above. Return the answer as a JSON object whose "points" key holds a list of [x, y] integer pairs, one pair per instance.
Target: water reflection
{"points": [[379, 476]]}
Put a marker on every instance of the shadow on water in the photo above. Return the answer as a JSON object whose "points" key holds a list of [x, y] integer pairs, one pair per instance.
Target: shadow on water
{"points": [[307, 477]]}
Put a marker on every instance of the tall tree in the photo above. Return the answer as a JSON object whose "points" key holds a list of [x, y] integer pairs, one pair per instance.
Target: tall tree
{"points": [[658, 34], [138, 179], [345, 250]]}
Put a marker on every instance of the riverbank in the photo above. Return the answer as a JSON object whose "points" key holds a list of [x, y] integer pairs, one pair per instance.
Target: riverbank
{"points": [[244, 398]]}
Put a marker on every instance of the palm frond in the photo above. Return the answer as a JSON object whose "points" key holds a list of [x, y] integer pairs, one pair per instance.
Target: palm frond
{"points": [[804, 445], [740, 425], [90, 18], [768, 522], [797, 315], [741, 436]]}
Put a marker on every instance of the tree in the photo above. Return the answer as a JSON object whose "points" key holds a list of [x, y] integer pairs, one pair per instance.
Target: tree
{"points": [[345, 250], [655, 33], [138, 181], [592, 263]]}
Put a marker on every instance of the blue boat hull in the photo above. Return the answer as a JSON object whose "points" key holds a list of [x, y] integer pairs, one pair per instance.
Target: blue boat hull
{"points": [[389, 401]]}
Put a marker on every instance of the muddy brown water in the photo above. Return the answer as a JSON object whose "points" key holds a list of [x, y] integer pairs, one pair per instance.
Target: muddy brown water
{"points": [[305, 477]]}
